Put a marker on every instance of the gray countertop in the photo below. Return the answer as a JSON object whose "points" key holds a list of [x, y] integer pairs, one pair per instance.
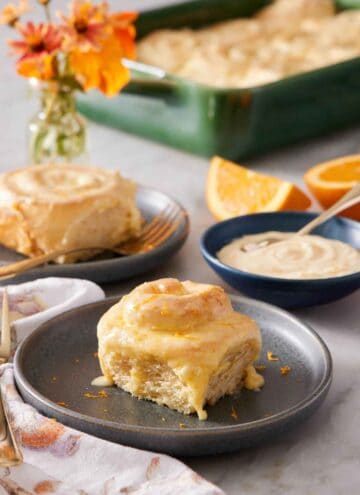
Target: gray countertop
{"points": [[320, 457]]}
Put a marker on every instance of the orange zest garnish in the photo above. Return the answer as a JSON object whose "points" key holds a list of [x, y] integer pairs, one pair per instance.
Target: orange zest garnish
{"points": [[233, 190], [271, 356], [164, 311], [284, 370], [102, 394], [233, 413]]}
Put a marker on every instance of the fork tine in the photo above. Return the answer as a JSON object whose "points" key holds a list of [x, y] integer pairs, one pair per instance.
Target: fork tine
{"points": [[169, 222], [5, 346], [161, 234], [158, 222], [160, 239], [150, 224], [165, 227], [155, 222], [166, 218]]}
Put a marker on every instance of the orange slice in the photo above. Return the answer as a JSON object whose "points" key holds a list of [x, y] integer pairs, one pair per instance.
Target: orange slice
{"points": [[329, 181], [233, 190]]}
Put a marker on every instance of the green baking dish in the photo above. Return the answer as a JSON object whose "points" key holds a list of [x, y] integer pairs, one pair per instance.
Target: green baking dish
{"points": [[233, 123]]}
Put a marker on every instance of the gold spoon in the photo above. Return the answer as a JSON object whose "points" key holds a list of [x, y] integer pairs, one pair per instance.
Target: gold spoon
{"points": [[351, 198]]}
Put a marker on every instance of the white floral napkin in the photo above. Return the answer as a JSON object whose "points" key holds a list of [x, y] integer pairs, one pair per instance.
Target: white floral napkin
{"points": [[59, 460]]}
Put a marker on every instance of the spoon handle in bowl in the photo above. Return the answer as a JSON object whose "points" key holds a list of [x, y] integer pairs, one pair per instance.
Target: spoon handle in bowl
{"points": [[349, 199]]}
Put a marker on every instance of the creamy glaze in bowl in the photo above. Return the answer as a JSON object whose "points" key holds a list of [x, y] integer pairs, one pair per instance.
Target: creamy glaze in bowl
{"points": [[287, 293]]}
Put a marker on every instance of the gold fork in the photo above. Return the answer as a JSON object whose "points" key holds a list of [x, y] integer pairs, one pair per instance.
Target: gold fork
{"points": [[10, 454], [152, 235]]}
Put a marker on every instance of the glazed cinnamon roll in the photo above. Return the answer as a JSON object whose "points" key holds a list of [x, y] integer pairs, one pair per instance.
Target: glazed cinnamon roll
{"points": [[46, 207], [179, 344]]}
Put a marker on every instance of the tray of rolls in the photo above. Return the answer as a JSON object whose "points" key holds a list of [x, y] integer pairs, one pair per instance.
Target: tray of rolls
{"points": [[239, 77]]}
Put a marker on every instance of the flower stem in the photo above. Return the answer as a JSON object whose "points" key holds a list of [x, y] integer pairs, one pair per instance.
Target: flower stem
{"points": [[47, 12]]}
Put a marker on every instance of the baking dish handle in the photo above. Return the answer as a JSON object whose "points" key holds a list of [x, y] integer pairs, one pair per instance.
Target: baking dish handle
{"points": [[148, 81], [348, 4]]}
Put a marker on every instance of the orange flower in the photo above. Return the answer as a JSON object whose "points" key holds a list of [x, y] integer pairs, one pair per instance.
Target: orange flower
{"points": [[42, 67], [85, 28], [101, 69], [88, 46], [101, 66], [37, 40], [124, 30], [37, 50], [11, 13]]}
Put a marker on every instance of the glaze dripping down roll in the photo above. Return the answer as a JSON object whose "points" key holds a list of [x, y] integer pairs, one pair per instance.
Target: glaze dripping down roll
{"points": [[180, 344]]}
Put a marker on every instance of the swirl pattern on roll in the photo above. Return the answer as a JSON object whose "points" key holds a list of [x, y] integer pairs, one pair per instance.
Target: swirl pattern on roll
{"points": [[168, 302], [58, 183], [49, 207]]}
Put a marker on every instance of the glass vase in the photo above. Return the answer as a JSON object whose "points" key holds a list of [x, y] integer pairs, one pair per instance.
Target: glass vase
{"points": [[57, 132]]}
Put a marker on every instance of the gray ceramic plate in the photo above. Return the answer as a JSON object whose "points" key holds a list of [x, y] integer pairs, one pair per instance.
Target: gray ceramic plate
{"points": [[150, 203], [64, 348]]}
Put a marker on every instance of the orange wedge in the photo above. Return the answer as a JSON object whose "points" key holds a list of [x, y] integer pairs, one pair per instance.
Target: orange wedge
{"points": [[233, 190], [329, 181]]}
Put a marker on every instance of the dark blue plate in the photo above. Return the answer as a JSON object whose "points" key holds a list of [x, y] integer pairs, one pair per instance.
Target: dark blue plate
{"points": [[64, 347], [282, 292]]}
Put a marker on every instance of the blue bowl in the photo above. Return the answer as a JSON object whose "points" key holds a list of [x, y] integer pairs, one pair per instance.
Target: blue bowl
{"points": [[285, 293]]}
